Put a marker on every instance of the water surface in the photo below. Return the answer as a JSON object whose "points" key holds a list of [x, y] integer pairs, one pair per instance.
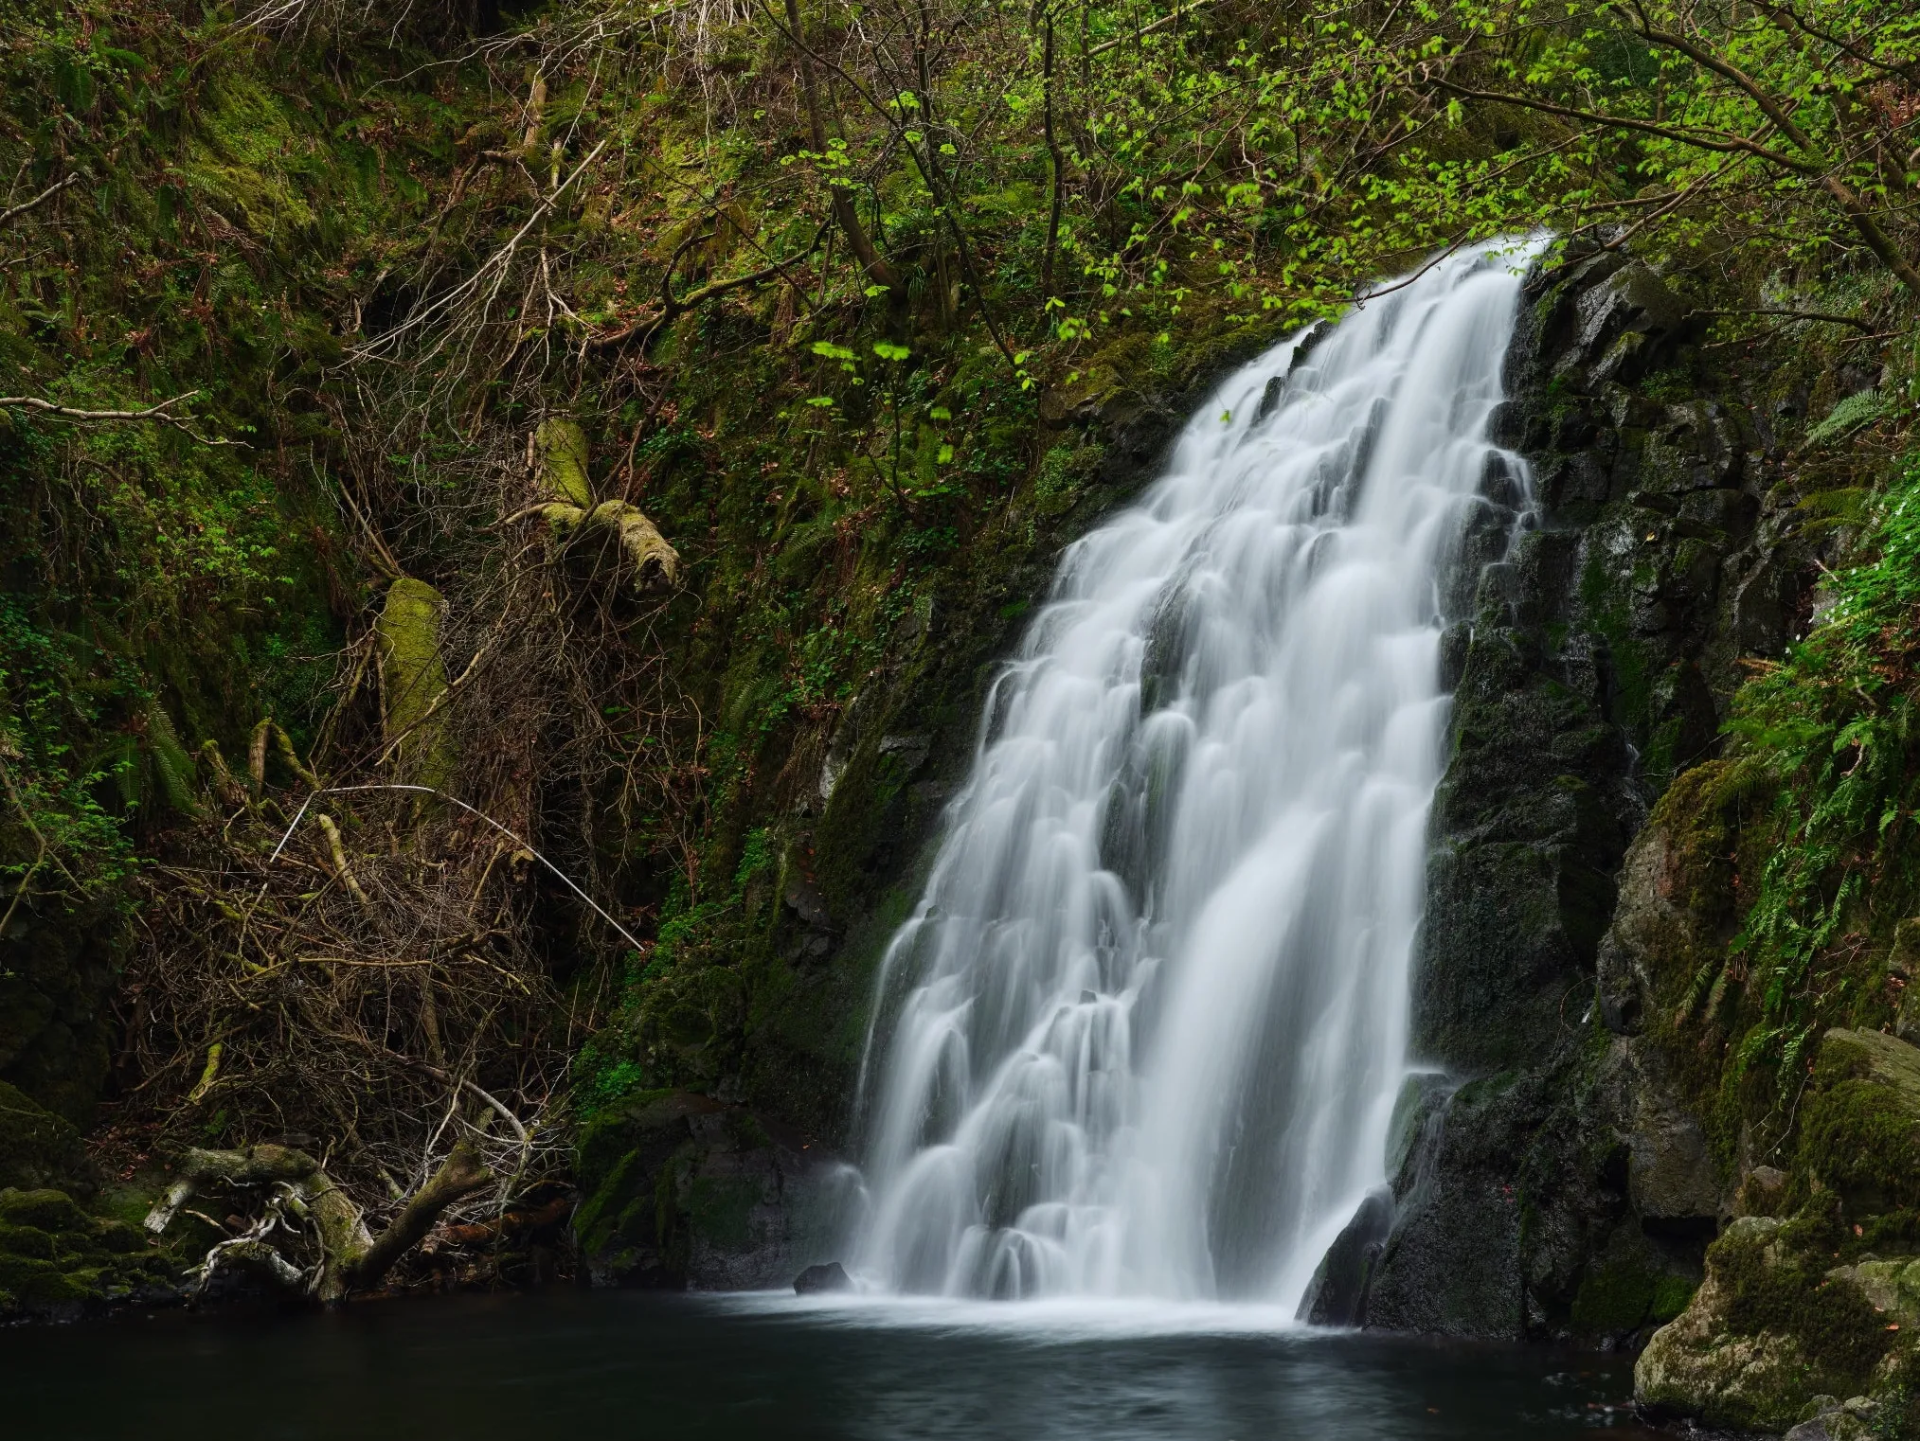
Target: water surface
{"points": [[630, 1365]]}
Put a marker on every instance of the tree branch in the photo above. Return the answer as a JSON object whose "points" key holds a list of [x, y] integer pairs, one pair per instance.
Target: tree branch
{"points": [[47, 194], [672, 307], [68, 412], [163, 413], [463, 1174], [1820, 315], [1819, 165], [876, 265], [1729, 144]]}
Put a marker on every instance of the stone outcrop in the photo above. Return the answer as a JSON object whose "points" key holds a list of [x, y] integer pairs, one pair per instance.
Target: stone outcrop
{"points": [[1567, 1190], [1821, 1300], [682, 1190]]}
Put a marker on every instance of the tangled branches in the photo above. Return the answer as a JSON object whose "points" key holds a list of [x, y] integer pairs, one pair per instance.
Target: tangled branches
{"points": [[384, 963], [378, 994]]}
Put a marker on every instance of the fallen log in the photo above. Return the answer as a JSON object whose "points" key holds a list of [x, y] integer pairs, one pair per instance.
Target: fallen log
{"points": [[351, 1257]]}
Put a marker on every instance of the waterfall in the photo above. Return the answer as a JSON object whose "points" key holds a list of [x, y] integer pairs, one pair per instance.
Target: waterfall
{"points": [[1144, 1033]]}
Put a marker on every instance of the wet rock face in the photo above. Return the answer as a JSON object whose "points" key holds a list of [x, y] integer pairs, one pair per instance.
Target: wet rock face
{"points": [[1340, 1290], [56, 972], [1588, 660], [1591, 663], [822, 1279], [684, 1190]]}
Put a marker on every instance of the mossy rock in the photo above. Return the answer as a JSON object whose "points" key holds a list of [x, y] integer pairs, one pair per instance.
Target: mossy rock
{"points": [[1619, 1296], [117, 1238], [720, 1209], [1774, 1326], [27, 1276], [36, 1146], [684, 1189], [44, 1210], [26, 1241], [1861, 1132]]}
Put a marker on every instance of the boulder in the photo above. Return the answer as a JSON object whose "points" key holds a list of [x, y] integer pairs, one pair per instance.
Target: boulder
{"points": [[831, 1276], [1338, 1294], [37, 1148], [1775, 1329], [1861, 1132], [1671, 1176]]}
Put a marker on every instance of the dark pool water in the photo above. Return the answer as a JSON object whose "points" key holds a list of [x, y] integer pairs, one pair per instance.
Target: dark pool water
{"points": [[579, 1365]]}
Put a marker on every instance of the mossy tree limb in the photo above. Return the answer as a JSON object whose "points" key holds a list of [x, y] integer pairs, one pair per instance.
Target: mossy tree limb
{"points": [[574, 520], [413, 678], [351, 1257]]}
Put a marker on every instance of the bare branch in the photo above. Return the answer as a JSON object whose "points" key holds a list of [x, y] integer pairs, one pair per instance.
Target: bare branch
{"points": [[1726, 144], [162, 413], [47, 194], [68, 412]]}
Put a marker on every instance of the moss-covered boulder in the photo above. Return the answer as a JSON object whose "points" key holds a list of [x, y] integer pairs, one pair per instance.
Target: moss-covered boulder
{"points": [[1776, 1327], [1797, 1311], [683, 1190], [58, 1261], [37, 1148], [1861, 1134]]}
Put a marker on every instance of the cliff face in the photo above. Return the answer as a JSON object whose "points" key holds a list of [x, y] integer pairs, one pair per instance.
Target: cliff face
{"points": [[1593, 664], [1618, 1110]]}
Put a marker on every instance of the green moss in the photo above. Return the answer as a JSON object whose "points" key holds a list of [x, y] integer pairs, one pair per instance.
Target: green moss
{"points": [[1861, 1131], [720, 1210], [119, 1239], [26, 1276], [36, 1146], [1781, 1287], [605, 1215], [1613, 1299], [615, 1133], [1865, 1144], [561, 446], [27, 1241], [1671, 1295], [414, 677], [44, 1210]]}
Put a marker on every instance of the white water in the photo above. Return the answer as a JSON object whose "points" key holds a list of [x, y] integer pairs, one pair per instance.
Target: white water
{"points": [[1144, 1034]]}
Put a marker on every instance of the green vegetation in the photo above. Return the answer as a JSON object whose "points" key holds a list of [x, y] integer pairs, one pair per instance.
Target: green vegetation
{"points": [[645, 424]]}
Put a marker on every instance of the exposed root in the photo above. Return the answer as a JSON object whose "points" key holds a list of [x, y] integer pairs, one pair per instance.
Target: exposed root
{"points": [[350, 1258]]}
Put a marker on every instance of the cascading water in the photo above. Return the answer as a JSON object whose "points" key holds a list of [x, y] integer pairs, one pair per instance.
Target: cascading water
{"points": [[1144, 1034]]}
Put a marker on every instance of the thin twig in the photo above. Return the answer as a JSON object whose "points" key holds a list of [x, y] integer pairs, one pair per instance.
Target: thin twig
{"points": [[52, 190], [163, 413], [482, 815]]}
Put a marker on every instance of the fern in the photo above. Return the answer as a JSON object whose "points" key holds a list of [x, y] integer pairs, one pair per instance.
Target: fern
{"points": [[1861, 408]]}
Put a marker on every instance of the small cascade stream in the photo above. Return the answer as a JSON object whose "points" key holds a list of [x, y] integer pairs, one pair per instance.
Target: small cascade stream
{"points": [[1144, 1034]]}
